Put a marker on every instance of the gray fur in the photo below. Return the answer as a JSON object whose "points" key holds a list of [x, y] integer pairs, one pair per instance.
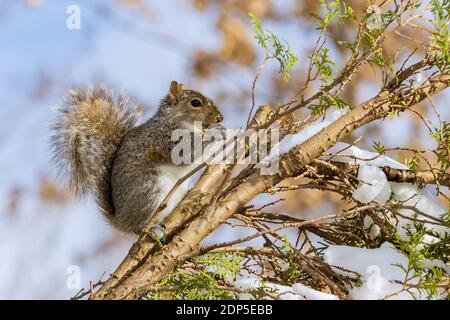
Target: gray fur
{"points": [[97, 145]]}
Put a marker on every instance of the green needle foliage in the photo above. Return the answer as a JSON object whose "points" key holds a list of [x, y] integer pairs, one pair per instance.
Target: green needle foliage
{"points": [[442, 137], [334, 10], [324, 65], [274, 47], [440, 38], [203, 283], [421, 269]]}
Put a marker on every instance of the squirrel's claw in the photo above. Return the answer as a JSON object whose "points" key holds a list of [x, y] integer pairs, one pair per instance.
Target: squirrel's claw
{"points": [[158, 232]]}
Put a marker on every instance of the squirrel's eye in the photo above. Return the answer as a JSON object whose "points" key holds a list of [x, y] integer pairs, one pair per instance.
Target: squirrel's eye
{"points": [[196, 103]]}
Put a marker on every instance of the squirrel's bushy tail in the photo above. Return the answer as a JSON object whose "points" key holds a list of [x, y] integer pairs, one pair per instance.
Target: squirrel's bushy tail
{"points": [[86, 135]]}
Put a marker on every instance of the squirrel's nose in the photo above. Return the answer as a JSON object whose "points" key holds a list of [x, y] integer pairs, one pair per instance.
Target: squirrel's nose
{"points": [[219, 117]]}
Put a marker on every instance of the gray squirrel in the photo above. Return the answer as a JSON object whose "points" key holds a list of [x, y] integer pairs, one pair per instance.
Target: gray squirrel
{"points": [[128, 168]]}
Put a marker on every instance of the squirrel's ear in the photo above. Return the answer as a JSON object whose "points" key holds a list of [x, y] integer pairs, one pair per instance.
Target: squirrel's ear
{"points": [[176, 89]]}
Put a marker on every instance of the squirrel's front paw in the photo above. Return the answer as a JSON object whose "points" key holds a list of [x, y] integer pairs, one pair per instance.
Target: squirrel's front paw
{"points": [[158, 231]]}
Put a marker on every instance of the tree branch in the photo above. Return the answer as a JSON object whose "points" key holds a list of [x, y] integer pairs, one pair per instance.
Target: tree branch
{"points": [[206, 219], [397, 175]]}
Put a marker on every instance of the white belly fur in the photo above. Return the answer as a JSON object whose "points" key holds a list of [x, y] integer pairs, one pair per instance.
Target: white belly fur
{"points": [[169, 175]]}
